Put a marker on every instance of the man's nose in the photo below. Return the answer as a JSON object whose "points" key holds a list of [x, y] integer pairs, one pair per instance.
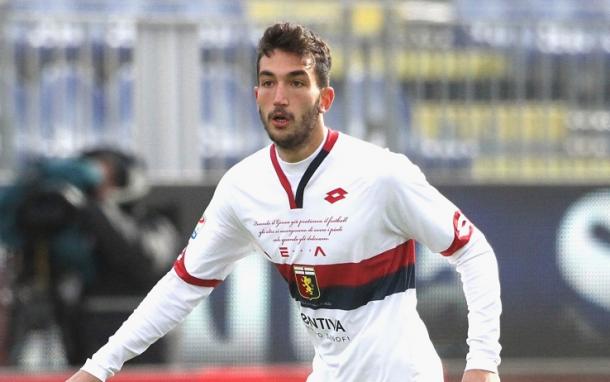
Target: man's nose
{"points": [[280, 95]]}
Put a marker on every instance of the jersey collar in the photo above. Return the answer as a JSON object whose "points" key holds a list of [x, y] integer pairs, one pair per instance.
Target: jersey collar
{"points": [[296, 201]]}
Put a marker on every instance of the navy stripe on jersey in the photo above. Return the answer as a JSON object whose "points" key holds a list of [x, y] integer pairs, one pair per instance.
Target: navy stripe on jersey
{"points": [[351, 285], [349, 298], [313, 166]]}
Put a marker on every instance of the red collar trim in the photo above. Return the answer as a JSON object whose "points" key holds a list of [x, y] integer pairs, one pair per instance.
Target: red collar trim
{"points": [[331, 139]]}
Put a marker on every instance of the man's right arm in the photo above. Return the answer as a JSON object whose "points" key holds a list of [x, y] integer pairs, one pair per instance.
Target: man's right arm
{"points": [[217, 243], [165, 306], [82, 376]]}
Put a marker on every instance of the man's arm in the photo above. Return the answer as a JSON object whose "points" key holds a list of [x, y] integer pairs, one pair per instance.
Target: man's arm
{"points": [[217, 243], [437, 223], [166, 305], [478, 269], [82, 376]]}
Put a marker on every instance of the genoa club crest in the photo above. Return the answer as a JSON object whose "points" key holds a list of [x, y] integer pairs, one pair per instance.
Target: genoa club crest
{"points": [[306, 282]]}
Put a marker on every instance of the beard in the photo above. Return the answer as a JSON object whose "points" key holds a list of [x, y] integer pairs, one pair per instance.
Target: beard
{"points": [[301, 131]]}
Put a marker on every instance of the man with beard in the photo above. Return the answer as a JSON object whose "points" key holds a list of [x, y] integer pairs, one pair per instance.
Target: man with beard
{"points": [[338, 218]]}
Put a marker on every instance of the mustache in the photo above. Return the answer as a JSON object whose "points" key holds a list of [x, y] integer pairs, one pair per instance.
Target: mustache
{"points": [[279, 112]]}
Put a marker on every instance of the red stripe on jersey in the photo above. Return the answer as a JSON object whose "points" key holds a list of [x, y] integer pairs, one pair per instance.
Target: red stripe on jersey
{"points": [[461, 237], [283, 179], [181, 271], [355, 274], [285, 270], [330, 140]]}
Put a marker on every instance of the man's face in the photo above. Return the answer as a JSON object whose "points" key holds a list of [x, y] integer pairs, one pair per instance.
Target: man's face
{"points": [[288, 98]]}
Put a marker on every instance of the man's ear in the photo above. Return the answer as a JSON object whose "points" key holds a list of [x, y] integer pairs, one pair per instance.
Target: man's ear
{"points": [[256, 92], [327, 96]]}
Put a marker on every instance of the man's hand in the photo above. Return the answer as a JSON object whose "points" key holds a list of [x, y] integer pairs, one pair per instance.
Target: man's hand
{"points": [[82, 376], [480, 376]]}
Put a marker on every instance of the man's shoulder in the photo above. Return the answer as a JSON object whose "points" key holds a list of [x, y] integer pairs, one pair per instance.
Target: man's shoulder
{"points": [[380, 162], [252, 168], [368, 154], [257, 160], [356, 149]]}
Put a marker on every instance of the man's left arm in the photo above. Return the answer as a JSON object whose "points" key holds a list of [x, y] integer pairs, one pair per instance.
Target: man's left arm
{"points": [[438, 224], [476, 263]]}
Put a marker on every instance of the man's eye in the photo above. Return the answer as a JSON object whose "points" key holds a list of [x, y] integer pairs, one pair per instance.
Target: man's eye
{"points": [[298, 84], [266, 84]]}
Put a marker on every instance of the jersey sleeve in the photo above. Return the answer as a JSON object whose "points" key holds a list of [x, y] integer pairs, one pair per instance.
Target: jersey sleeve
{"points": [[217, 242], [164, 307], [419, 211]]}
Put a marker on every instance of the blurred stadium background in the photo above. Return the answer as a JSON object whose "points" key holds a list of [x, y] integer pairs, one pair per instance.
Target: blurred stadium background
{"points": [[504, 104]]}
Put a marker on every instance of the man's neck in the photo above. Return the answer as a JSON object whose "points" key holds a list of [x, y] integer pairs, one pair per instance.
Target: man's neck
{"points": [[299, 153]]}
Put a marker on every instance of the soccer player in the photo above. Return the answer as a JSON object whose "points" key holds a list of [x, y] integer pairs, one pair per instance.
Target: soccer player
{"points": [[338, 217]]}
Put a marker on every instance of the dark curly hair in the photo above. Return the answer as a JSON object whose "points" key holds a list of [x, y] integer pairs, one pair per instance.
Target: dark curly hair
{"points": [[297, 39]]}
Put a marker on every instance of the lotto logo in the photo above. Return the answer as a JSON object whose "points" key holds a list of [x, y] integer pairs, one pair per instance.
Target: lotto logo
{"points": [[463, 227], [462, 230], [335, 195]]}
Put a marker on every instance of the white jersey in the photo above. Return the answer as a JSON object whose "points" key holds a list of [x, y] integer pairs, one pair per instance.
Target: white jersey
{"points": [[341, 227]]}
